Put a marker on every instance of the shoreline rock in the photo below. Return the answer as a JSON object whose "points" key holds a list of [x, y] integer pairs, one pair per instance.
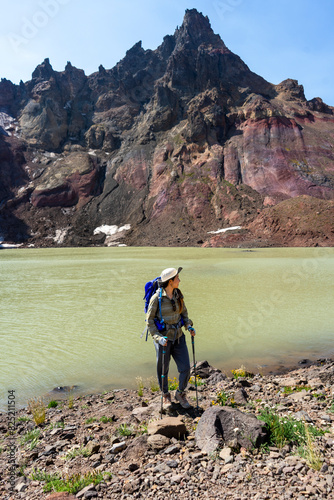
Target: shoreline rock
{"points": [[107, 434]]}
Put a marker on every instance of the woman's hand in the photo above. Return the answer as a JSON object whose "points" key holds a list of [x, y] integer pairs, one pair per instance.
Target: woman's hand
{"points": [[163, 341], [192, 331]]}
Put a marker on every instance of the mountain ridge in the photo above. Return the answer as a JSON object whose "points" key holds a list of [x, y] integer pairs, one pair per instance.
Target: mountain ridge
{"points": [[175, 142]]}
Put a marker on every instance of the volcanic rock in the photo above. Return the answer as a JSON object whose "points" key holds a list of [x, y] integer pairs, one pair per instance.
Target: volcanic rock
{"points": [[184, 137], [228, 425]]}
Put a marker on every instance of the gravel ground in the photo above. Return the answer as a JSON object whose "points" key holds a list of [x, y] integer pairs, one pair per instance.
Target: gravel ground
{"points": [[109, 434]]}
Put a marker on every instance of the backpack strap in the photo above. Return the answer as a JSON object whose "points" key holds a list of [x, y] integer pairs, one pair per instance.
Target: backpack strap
{"points": [[160, 297]]}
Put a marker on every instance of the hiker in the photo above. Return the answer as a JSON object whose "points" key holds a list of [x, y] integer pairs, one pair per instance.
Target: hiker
{"points": [[171, 341]]}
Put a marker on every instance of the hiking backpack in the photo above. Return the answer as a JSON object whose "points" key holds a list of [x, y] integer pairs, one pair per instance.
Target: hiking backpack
{"points": [[150, 288]]}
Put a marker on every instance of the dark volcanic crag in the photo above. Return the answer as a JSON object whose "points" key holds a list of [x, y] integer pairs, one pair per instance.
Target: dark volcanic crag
{"points": [[184, 138]]}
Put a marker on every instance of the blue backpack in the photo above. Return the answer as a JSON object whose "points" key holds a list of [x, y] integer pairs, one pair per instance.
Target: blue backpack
{"points": [[150, 288]]}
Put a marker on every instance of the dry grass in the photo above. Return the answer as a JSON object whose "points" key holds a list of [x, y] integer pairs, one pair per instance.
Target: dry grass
{"points": [[37, 408]]}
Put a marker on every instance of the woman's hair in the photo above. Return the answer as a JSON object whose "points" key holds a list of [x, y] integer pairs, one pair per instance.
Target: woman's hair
{"points": [[179, 294]]}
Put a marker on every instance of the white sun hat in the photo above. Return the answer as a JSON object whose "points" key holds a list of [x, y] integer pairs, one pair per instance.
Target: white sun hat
{"points": [[169, 273]]}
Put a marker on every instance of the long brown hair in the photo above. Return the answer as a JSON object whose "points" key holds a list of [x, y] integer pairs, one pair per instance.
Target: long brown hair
{"points": [[178, 293], [180, 300]]}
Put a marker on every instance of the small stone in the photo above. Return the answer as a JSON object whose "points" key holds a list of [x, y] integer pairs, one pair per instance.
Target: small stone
{"points": [[49, 450], [172, 449], [131, 486], [324, 468], [163, 468], [172, 463], [326, 418], [91, 494], [176, 479], [85, 490], [58, 430], [133, 467], [93, 447], [302, 415], [118, 447], [226, 468], [226, 455]]}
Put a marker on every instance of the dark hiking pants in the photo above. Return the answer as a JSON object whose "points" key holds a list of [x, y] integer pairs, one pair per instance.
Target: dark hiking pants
{"points": [[179, 352]]}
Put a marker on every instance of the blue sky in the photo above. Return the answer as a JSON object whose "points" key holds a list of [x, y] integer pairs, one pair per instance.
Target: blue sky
{"points": [[277, 39]]}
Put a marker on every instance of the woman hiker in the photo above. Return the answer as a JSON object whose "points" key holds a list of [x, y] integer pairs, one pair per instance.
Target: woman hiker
{"points": [[172, 312]]}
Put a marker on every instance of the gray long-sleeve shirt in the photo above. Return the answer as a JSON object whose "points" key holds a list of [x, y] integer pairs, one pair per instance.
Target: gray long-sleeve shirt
{"points": [[170, 316]]}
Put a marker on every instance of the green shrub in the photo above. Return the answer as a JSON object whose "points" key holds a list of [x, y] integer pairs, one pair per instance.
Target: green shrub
{"points": [[105, 419], [90, 420], [40, 475], [286, 430], [53, 404], [30, 439], [124, 430], [72, 484], [225, 399], [76, 452], [298, 388]]}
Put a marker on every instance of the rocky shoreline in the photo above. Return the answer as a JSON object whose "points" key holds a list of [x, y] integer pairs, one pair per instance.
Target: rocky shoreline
{"points": [[118, 441]]}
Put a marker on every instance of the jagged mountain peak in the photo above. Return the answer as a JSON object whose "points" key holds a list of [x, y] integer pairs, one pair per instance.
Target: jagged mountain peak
{"points": [[196, 30], [184, 137], [43, 71]]}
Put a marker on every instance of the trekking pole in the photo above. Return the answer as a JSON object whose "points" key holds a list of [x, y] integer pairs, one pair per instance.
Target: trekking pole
{"points": [[193, 344], [162, 379]]}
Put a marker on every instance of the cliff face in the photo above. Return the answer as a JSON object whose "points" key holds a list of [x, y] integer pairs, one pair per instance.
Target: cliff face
{"points": [[174, 142]]}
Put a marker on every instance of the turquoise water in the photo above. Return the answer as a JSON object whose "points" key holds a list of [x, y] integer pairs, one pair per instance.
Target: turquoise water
{"points": [[74, 316]]}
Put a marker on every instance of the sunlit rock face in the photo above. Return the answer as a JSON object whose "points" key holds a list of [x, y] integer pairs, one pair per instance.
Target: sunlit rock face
{"points": [[175, 142]]}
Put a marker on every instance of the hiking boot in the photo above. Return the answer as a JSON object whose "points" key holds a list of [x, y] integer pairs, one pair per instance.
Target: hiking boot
{"points": [[181, 398], [167, 401]]}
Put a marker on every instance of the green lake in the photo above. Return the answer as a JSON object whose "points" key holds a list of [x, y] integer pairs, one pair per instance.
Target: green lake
{"points": [[74, 316]]}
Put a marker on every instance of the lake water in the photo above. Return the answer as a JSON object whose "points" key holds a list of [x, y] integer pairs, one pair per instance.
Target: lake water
{"points": [[74, 316]]}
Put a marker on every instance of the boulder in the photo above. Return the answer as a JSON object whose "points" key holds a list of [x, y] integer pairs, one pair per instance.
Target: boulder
{"points": [[136, 449], [158, 441], [240, 396], [327, 376], [219, 425], [205, 370], [169, 427]]}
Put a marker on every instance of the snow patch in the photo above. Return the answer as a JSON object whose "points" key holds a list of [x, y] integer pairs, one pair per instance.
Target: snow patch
{"points": [[6, 122], [60, 235], [10, 245], [111, 230], [224, 230]]}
